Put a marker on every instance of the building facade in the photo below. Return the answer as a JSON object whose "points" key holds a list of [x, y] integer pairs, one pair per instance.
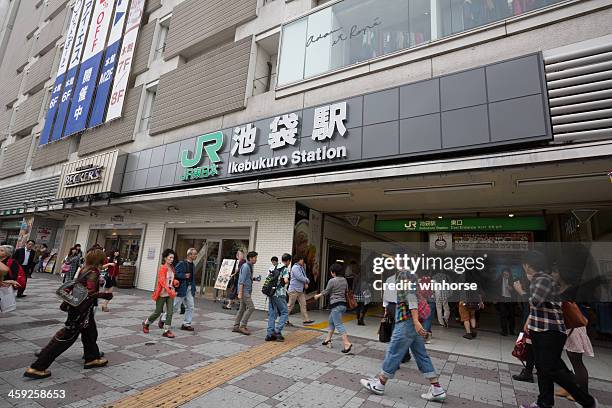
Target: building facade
{"points": [[301, 126]]}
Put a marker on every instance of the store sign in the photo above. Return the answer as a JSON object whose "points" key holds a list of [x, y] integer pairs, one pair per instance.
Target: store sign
{"points": [[284, 132], [462, 224], [84, 175], [101, 173]]}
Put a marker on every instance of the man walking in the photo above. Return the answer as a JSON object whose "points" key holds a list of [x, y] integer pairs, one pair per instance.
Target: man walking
{"points": [[185, 293], [277, 305], [245, 288], [546, 328], [408, 333], [25, 257], [297, 286]]}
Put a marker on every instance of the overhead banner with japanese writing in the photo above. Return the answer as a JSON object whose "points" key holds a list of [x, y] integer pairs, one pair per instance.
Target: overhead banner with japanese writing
{"points": [[124, 64], [110, 62], [61, 71], [73, 70], [88, 73]]}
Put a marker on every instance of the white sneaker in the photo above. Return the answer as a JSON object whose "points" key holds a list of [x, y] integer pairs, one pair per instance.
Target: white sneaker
{"points": [[438, 395], [428, 338], [373, 385]]}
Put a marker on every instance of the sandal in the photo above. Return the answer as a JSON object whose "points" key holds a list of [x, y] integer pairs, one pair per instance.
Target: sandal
{"points": [[348, 350], [326, 342]]}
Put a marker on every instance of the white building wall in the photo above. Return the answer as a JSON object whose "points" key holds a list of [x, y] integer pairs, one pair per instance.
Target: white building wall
{"points": [[273, 235]]}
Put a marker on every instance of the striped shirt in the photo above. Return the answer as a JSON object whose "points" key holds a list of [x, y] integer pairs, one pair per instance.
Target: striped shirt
{"points": [[545, 313]]}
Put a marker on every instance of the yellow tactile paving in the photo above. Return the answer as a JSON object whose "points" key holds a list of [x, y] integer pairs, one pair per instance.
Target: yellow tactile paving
{"points": [[186, 387]]}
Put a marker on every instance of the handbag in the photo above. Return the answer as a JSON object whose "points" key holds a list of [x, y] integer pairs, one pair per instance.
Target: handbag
{"points": [[350, 299], [520, 350], [572, 316], [424, 310], [73, 292], [385, 330], [8, 303], [65, 268]]}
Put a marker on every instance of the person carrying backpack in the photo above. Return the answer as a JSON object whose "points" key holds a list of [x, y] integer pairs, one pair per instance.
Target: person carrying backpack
{"points": [[275, 288]]}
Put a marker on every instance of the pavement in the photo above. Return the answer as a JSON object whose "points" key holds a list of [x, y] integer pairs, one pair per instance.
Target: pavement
{"points": [[214, 367]]}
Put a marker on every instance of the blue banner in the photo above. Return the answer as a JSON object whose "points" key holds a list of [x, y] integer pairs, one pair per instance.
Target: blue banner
{"points": [[83, 95], [104, 84], [57, 90], [64, 104]]}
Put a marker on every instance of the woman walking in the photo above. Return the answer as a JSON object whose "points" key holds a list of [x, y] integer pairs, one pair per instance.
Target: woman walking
{"points": [[164, 294], [71, 264], [336, 290], [112, 270], [80, 321]]}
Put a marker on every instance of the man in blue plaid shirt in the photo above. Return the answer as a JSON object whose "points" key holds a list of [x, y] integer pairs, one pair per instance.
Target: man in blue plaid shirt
{"points": [[546, 328]]}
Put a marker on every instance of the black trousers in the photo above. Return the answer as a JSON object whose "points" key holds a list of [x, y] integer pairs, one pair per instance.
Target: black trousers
{"points": [[506, 312], [66, 337], [21, 290], [361, 310], [548, 347]]}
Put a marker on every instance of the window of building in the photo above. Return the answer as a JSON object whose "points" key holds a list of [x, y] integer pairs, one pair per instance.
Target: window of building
{"points": [[162, 36], [147, 109], [352, 31], [265, 65]]}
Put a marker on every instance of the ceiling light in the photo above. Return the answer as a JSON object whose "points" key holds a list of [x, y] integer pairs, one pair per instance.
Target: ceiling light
{"points": [[315, 196], [567, 178], [510, 215], [442, 187], [440, 217]]}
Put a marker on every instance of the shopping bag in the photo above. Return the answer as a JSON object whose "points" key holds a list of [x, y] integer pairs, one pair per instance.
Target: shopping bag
{"points": [[385, 330], [8, 303], [520, 347]]}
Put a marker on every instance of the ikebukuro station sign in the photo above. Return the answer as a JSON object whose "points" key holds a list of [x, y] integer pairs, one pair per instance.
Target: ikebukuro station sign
{"points": [[443, 115], [280, 140]]}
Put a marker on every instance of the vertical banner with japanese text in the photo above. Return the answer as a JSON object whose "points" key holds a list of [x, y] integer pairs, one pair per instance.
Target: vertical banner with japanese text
{"points": [[61, 71], [110, 62], [73, 67], [124, 64], [88, 73]]}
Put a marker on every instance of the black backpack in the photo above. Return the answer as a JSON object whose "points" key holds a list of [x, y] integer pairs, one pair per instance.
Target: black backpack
{"points": [[271, 283]]}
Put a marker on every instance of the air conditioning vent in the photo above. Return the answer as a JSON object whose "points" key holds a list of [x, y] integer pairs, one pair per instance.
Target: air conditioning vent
{"points": [[579, 80]]}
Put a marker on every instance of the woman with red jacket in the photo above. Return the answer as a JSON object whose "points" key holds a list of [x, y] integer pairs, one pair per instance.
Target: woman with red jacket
{"points": [[164, 293], [80, 321]]}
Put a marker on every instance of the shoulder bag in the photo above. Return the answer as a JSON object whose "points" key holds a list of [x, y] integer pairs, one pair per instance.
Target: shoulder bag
{"points": [[73, 292]]}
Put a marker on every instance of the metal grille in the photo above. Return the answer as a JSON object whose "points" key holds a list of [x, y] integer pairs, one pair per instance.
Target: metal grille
{"points": [[579, 79]]}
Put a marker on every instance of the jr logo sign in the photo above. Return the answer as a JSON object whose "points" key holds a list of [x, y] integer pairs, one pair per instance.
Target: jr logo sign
{"points": [[210, 143]]}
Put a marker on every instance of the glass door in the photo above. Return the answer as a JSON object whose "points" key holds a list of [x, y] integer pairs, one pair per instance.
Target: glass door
{"points": [[208, 260]]}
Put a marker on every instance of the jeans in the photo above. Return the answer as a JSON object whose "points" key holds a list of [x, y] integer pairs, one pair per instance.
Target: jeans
{"points": [[189, 305], [432, 312], [301, 298], [335, 319], [405, 337], [277, 307], [159, 308], [548, 347], [244, 313]]}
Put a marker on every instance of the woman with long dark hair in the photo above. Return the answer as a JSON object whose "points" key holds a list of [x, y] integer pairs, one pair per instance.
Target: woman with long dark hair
{"points": [[72, 262], [80, 320], [164, 294], [112, 270]]}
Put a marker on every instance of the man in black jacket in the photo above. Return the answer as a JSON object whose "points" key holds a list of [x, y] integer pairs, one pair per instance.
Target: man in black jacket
{"points": [[25, 257]]}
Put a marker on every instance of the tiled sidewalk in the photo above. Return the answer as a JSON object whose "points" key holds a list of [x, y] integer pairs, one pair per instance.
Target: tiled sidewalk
{"points": [[307, 376]]}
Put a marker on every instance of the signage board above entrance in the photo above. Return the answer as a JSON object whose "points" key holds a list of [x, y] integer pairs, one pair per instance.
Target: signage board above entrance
{"points": [[462, 224], [424, 119]]}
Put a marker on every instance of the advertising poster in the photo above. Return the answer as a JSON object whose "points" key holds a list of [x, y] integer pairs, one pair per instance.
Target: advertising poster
{"points": [[124, 64], [110, 63], [73, 70], [24, 232], [42, 235], [225, 273], [61, 71], [88, 73], [307, 242]]}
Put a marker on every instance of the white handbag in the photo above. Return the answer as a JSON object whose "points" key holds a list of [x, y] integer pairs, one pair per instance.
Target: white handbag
{"points": [[8, 303]]}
